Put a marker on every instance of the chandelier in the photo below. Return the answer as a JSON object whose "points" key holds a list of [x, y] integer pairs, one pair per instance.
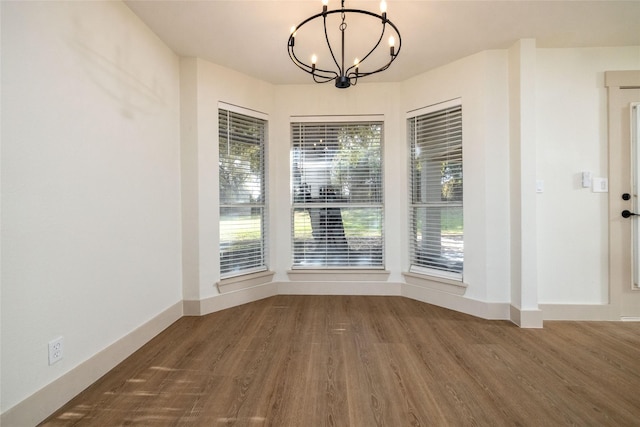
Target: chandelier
{"points": [[332, 67]]}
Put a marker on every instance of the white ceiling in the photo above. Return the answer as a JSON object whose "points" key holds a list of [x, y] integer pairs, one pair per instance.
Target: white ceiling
{"points": [[251, 36]]}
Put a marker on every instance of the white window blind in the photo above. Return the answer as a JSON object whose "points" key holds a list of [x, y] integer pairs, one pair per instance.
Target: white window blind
{"points": [[243, 226], [337, 211], [436, 214]]}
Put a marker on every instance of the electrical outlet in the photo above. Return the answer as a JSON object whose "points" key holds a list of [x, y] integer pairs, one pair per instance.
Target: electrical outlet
{"points": [[56, 350]]}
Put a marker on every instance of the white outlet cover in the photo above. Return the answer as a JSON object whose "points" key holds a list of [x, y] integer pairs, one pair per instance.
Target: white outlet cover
{"points": [[56, 350]]}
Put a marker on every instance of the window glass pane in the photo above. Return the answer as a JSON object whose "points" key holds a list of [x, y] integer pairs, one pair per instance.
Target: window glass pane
{"points": [[436, 180], [241, 238], [438, 238], [337, 237], [337, 200], [242, 193]]}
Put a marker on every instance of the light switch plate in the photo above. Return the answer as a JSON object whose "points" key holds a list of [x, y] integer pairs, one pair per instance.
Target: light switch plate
{"points": [[600, 185]]}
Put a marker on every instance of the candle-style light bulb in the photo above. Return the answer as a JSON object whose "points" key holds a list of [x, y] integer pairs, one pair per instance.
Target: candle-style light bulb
{"points": [[292, 39], [392, 42], [356, 63], [314, 59], [383, 10], [325, 3]]}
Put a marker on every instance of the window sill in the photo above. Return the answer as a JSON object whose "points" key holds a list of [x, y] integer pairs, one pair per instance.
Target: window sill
{"points": [[244, 281], [436, 283], [355, 275]]}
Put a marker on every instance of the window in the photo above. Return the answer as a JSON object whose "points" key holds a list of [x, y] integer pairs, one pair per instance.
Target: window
{"points": [[242, 151], [436, 220], [337, 195]]}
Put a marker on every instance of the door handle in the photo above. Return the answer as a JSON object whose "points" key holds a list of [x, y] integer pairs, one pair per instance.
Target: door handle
{"points": [[626, 213]]}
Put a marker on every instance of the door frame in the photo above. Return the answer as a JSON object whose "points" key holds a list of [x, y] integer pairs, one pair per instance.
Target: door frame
{"points": [[620, 263]]}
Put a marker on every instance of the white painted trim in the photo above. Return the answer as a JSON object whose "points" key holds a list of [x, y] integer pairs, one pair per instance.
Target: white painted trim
{"points": [[526, 318], [338, 118], [482, 309], [584, 312], [242, 110], [436, 283], [51, 397], [622, 79], [435, 107], [244, 281], [327, 276], [230, 299], [339, 288]]}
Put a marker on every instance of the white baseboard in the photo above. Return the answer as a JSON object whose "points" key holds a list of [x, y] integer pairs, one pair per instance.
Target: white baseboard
{"points": [[47, 400], [526, 318], [588, 312], [482, 309], [230, 299], [339, 288]]}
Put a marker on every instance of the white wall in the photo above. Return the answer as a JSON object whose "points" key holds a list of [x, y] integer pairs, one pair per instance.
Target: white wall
{"points": [[90, 184], [522, 174], [481, 81], [572, 137], [204, 86]]}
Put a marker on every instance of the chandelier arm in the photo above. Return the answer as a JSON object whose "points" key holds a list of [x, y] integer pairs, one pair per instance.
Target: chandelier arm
{"points": [[325, 79], [326, 36], [384, 22], [397, 51], [292, 55], [388, 64], [368, 73], [370, 52], [308, 69]]}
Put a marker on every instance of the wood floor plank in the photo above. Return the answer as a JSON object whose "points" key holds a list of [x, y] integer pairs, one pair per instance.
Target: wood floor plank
{"points": [[367, 361]]}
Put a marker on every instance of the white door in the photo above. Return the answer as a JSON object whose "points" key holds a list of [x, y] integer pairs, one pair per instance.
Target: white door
{"points": [[624, 188], [635, 195]]}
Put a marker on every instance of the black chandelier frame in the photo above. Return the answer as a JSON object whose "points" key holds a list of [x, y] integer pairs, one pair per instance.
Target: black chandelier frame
{"points": [[344, 77]]}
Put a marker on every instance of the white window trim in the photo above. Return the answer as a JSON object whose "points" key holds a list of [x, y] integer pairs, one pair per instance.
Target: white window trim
{"points": [[245, 280], [337, 119], [456, 102], [429, 281], [257, 275], [427, 277], [242, 110], [301, 272]]}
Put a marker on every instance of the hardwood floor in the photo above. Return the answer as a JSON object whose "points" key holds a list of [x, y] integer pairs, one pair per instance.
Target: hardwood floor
{"points": [[368, 361]]}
